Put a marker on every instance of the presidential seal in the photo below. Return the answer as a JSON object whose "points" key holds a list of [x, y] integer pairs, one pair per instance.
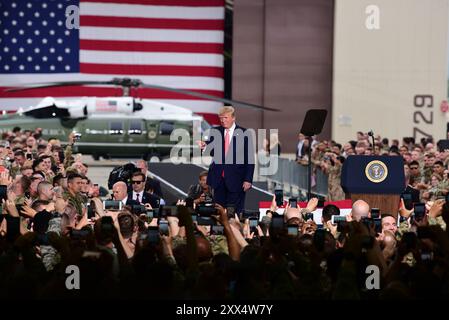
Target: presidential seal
{"points": [[376, 171]]}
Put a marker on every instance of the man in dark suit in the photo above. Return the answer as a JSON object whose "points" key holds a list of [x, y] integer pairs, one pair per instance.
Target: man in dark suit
{"points": [[231, 171], [119, 193], [152, 186], [138, 194]]}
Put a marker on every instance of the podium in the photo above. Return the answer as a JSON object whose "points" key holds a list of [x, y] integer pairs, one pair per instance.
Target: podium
{"points": [[378, 180]]}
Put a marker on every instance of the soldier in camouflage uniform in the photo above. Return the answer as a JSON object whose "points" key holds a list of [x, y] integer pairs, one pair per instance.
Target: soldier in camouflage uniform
{"points": [[427, 169], [74, 184]]}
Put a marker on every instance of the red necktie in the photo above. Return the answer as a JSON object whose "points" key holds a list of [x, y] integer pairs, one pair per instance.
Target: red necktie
{"points": [[226, 146]]}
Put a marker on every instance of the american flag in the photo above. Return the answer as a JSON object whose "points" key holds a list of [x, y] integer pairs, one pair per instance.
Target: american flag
{"points": [[173, 43]]}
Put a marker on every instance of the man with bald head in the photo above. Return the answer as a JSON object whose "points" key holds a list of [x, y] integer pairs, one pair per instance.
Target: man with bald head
{"points": [[120, 193], [360, 209]]}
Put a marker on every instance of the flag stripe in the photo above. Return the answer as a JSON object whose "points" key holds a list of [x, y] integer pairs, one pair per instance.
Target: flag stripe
{"points": [[151, 70], [143, 93], [162, 35], [206, 83], [125, 22], [143, 46], [150, 11], [187, 3], [152, 58]]}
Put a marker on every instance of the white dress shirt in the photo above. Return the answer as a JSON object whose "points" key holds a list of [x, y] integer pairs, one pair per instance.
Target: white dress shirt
{"points": [[231, 132], [140, 195]]}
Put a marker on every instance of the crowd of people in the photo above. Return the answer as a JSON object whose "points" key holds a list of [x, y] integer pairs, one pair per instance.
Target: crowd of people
{"points": [[53, 216], [426, 167]]}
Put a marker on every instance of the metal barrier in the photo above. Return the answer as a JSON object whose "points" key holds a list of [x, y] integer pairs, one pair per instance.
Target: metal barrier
{"points": [[292, 177]]}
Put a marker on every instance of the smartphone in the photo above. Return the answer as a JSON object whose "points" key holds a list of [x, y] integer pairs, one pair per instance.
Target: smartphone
{"points": [[189, 202], [29, 156], [419, 210], [113, 205], [410, 240], [408, 203], [336, 219], [320, 203], [292, 230], [230, 210], [90, 211], [204, 221], [279, 197], [375, 213], [308, 216], [277, 222], [253, 223], [163, 227], [149, 213], [217, 230], [170, 211], [318, 239], [153, 235], [377, 225], [293, 202], [3, 192]]}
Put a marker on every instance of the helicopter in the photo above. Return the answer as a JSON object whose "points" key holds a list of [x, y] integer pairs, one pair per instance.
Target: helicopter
{"points": [[114, 126]]}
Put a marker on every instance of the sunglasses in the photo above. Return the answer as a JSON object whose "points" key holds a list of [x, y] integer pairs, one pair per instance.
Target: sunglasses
{"points": [[137, 182], [413, 168]]}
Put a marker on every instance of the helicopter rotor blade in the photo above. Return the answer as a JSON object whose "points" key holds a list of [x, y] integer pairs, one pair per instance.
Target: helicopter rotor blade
{"points": [[127, 82], [56, 84], [209, 97]]}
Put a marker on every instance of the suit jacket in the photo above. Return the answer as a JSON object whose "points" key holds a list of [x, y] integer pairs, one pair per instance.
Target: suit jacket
{"points": [[146, 198], [237, 164], [155, 185]]}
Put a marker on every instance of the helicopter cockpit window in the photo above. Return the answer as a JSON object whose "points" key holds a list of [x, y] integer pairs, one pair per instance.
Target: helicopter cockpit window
{"points": [[135, 127], [116, 128], [48, 112], [166, 128]]}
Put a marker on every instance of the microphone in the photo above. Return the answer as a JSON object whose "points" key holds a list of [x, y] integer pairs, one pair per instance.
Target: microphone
{"points": [[371, 134]]}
